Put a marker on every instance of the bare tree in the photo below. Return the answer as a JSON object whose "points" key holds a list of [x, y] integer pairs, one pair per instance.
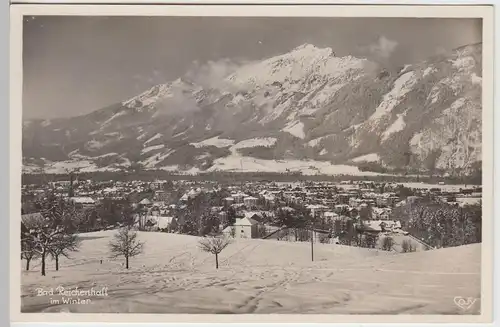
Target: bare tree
{"points": [[412, 247], [408, 246], [387, 243], [45, 231], [405, 245], [29, 250], [214, 245], [62, 246], [126, 244]]}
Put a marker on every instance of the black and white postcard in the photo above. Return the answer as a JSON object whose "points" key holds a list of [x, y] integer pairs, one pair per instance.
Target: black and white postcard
{"points": [[251, 163]]}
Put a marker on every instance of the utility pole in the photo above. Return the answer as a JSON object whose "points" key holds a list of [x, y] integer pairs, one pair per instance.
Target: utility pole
{"points": [[312, 236], [312, 244]]}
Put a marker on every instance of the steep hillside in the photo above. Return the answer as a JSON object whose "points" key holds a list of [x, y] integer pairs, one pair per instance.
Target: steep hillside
{"points": [[306, 109]]}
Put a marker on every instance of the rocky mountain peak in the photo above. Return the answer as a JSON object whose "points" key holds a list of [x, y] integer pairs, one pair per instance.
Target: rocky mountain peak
{"points": [[304, 110]]}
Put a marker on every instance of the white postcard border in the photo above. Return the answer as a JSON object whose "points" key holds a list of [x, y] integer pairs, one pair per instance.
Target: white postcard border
{"points": [[17, 11]]}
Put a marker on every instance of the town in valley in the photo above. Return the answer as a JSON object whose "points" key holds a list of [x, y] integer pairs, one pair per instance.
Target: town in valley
{"points": [[175, 225], [337, 212]]}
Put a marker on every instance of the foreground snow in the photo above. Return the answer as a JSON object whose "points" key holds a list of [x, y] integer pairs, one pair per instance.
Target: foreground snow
{"points": [[258, 276]]}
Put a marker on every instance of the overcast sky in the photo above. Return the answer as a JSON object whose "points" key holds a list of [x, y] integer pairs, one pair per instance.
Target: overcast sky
{"points": [[75, 65]]}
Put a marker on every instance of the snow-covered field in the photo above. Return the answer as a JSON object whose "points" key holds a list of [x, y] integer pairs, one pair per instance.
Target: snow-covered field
{"points": [[371, 157], [238, 163], [235, 162], [258, 276]]}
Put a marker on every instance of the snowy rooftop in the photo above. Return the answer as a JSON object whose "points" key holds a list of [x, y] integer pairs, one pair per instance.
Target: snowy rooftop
{"points": [[82, 200]]}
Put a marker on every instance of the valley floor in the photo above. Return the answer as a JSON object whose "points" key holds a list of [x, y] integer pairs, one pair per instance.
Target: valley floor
{"points": [[257, 276]]}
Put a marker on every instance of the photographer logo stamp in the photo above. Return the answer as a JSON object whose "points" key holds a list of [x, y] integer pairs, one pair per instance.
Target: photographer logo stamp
{"points": [[464, 303]]}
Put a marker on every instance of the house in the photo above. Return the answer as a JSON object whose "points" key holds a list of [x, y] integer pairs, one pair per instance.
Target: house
{"points": [[216, 209], [355, 202], [60, 184], [250, 201], [162, 222], [317, 210], [245, 228], [110, 190], [157, 184], [222, 215], [343, 198], [269, 198], [84, 202], [381, 225], [160, 195], [465, 201], [194, 193], [297, 235], [331, 216], [238, 197], [229, 231], [154, 211], [255, 215], [341, 208], [382, 201], [190, 195], [148, 222], [145, 202], [381, 213]]}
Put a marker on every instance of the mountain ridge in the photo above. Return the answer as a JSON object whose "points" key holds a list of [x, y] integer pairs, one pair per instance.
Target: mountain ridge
{"points": [[324, 113]]}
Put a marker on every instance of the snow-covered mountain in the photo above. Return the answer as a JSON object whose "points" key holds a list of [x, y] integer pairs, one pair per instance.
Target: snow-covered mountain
{"points": [[305, 110]]}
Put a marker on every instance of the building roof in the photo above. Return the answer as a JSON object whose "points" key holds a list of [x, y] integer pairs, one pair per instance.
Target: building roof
{"points": [[376, 224], [145, 201], [82, 200], [316, 206], [252, 214], [245, 222]]}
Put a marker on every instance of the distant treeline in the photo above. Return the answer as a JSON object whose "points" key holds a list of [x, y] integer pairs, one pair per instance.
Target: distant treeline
{"points": [[441, 224], [472, 175], [231, 177]]}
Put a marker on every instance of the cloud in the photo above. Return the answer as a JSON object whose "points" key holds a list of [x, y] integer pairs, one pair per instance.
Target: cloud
{"points": [[371, 67], [208, 75], [383, 48], [179, 100], [213, 74]]}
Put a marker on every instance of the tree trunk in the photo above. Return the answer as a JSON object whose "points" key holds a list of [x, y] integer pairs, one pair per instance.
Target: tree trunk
{"points": [[28, 264], [43, 263], [126, 262], [216, 261], [57, 263]]}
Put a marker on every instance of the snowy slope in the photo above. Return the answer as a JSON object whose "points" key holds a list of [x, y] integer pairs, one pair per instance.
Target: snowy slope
{"points": [[260, 276]]}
